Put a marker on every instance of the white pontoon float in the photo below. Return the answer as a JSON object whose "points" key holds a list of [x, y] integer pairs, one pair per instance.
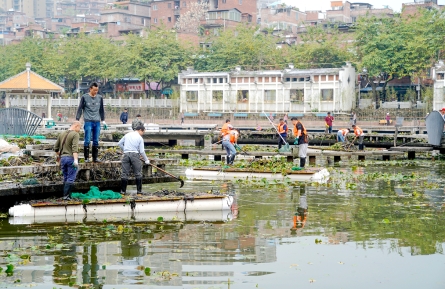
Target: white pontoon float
{"points": [[320, 175], [180, 208]]}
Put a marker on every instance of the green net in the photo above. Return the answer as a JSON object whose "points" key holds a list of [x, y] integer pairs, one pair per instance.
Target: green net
{"points": [[95, 194]]}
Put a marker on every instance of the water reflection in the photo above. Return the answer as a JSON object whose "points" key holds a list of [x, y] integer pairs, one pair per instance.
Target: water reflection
{"points": [[272, 239]]}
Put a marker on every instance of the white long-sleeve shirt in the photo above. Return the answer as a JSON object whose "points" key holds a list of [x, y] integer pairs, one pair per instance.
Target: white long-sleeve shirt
{"points": [[132, 142]]}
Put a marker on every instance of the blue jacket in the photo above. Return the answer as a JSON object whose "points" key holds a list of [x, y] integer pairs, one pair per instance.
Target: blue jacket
{"points": [[124, 117]]}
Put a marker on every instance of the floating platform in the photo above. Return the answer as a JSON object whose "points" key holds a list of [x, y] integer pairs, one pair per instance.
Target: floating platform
{"points": [[320, 175], [198, 208]]}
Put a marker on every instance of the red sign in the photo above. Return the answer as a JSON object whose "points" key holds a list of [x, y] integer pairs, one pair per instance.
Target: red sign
{"points": [[130, 87]]}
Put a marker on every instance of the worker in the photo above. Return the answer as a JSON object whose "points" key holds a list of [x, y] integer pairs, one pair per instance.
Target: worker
{"points": [[358, 134], [234, 134], [228, 146], [132, 144], [341, 134], [300, 217], [92, 106], [282, 131], [67, 147], [137, 122], [225, 128], [301, 139], [124, 116], [328, 121]]}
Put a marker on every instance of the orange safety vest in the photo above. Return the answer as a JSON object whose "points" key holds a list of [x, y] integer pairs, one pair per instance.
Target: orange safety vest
{"points": [[358, 131], [344, 131], [233, 136], [281, 129], [297, 132], [225, 129]]}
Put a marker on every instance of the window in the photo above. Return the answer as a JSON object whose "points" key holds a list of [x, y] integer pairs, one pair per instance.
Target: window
{"points": [[240, 2], [196, 80], [242, 95], [224, 1], [297, 95], [155, 20], [191, 95], [169, 5], [440, 76], [296, 16], [217, 95], [327, 94], [215, 80], [270, 96], [221, 80], [184, 4], [155, 7], [169, 19]]}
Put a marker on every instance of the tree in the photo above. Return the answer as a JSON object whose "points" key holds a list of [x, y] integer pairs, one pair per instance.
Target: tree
{"points": [[158, 57], [190, 21], [246, 46]]}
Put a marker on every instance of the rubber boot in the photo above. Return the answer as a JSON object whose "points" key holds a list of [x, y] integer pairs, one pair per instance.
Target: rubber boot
{"points": [[228, 159], [67, 191], [302, 162], [95, 153], [86, 153], [232, 158], [139, 185], [124, 184]]}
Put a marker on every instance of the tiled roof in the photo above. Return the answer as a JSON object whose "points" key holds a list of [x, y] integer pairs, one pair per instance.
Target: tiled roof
{"points": [[36, 83]]}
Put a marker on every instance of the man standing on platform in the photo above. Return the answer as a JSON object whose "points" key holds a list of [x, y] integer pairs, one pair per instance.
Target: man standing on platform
{"points": [[137, 122], [124, 116], [282, 131], [67, 147], [132, 144], [301, 139], [329, 119], [92, 106]]}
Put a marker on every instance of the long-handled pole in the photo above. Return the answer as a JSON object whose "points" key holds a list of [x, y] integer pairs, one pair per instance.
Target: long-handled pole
{"points": [[165, 172], [285, 142]]}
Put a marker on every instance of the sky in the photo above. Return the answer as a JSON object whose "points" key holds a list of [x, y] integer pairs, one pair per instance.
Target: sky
{"points": [[324, 5]]}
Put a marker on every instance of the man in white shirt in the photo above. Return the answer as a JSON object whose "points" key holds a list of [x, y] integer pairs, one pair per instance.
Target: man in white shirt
{"points": [[132, 145]]}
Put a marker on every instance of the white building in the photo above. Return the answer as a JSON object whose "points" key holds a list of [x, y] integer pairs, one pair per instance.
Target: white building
{"points": [[289, 90], [438, 75]]}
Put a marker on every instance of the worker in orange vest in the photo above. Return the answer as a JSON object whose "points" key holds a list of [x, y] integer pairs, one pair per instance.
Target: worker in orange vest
{"points": [[360, 135], [301, 139], [229, 147], [225, 128], [341, 134], [282, 131]]}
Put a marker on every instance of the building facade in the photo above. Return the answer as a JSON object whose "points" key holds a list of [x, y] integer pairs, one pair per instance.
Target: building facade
{"points": [[438, 75], [289, 90]]}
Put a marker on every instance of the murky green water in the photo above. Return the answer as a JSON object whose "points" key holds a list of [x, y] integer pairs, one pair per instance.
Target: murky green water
{"points": [[371, 227]]}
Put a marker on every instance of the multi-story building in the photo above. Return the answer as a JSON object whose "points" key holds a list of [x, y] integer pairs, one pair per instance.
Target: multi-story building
{"points": [[282, 18], [288, 90], [346, 12], [165, 12], [413, 7], [32, 8], [126, 17]]}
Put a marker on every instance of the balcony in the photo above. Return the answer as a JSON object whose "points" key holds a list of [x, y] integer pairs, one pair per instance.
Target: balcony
{"points": [[176, 11]]}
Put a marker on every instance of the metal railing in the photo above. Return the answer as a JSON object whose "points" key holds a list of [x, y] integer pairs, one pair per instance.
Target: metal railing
{"points": [[73, 102]]}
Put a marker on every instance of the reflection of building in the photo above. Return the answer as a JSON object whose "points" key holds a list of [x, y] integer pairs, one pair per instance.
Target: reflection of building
{"points": [[289, 90]]}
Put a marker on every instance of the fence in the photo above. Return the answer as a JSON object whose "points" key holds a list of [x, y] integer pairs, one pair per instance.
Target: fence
{"points": [[59, 102]]}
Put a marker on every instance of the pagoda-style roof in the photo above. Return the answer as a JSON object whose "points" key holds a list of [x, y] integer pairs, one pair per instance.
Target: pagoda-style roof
{"points": [[29, 82]]}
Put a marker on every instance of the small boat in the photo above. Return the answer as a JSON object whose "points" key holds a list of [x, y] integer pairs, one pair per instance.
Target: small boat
{"points": [[142, 208], [320, 175]]}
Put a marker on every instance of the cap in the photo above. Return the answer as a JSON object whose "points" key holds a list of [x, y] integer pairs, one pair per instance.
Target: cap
{"points": [[443, 108], [230, 126]]}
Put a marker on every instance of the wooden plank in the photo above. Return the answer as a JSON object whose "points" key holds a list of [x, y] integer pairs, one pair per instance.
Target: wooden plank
{"points": [[411, 149]]}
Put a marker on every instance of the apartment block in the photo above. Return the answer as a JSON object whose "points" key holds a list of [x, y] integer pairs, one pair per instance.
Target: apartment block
{"points": [[166, 12], [280, 18], [346, 12]]}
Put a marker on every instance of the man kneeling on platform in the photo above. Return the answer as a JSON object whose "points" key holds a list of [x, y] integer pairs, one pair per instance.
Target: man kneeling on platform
{"points": [[67, 148], [132, 145], [301, 139]]}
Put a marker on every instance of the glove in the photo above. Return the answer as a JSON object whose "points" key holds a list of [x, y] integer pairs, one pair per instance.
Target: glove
{"points": [[147, 162], [296, 140], [75, 164]]}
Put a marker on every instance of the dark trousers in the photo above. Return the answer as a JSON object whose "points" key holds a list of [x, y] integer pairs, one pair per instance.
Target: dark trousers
{"points": [[68, 170], [330, 129], [281, 140], [129, 161]]}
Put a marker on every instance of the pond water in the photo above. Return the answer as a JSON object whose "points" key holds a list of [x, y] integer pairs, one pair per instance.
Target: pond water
{"points": [[373, 226]]}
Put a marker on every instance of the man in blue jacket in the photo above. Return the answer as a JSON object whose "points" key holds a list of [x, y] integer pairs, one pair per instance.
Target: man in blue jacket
{"points": [[124, 116], [92, 106]]}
